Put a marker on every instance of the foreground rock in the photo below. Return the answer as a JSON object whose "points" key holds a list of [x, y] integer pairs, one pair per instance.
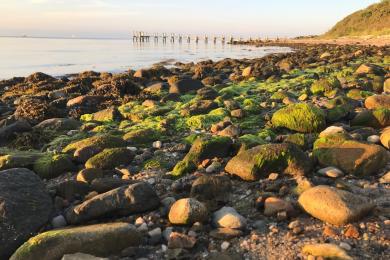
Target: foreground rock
{"points": [[260, 161], [328, 251], [25, 206], [135, 198], [98, 240], [350, 156], [187, 211], [334, 206]]}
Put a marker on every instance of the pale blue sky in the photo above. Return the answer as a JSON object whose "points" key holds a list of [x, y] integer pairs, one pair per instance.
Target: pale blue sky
{"points": [[118, 18]]}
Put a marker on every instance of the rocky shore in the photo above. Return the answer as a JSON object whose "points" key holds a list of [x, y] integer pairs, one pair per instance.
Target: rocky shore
{"points": [[280, 157]]}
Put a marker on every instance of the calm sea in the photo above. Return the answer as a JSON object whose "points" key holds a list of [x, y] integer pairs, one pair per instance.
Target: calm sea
{"points": [[23, 56]]}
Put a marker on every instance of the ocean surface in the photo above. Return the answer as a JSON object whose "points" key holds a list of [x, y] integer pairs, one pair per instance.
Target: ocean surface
{"points": [[23, 56]]}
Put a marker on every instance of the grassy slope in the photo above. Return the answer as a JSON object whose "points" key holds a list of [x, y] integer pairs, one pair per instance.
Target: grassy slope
{"points": [[374, 20]]}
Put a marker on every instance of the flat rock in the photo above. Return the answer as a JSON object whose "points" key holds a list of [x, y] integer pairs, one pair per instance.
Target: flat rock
{"points": [[334, 206]]}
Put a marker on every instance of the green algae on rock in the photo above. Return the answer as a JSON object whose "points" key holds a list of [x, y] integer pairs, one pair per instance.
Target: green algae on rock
{"points": [[376, 118], [110, 158], [53, 165], [203, 148], [260, 161], [300, 117], [19, 159], [99, 240], [325, 85], [100, 141], [350, 156], [142, 136]]}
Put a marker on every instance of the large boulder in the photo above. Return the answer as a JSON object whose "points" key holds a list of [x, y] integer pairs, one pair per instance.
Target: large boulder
{"points": [[25, 206], [377, 101], [260, 161], [376, 118], [334, 206], [99, 141], [183, 86], [203, 148], [350, 156], [301, 117], [135, 198], [98, 240], [58, 124]]}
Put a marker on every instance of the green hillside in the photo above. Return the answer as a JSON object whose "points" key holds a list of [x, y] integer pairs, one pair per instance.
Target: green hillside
{"points": [[374, 20]]}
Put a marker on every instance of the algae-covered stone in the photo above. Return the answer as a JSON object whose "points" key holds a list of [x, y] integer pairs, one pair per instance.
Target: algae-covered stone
{"points": [[385, 138], [352, 157], [334, 206], [19, 160], [300, 117], [211, 188], [338, 108], [262, 160], [106, 115], [303, 141], [187, 211], [203, 148], [98, 240], [327, 251], [325, 85], [100, 141], [110, 158], [58, 124], [376, 118], [142, 136], [53, 165]]}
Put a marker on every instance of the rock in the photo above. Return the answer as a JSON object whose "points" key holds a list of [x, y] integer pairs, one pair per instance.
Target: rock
{"points": [[157, 144], [260, 161], [350, 156], [213, 167], [369, 69], [325, 86], [19, 160], [126, 200], [376, 118], [187, 211], [237, 113], [53, 165], [87, 100], [225, 245], [71, 189], [106, 115], [328, 251], [179, 240], [386, 86], [155, 236], [385, 138], [228, 217], [82, 155], [99, 141], [377, 101], [203, 148], [25, 206], [58, 124], [225, 233], [300, 117], [334, 206], [142, 136], [325, 55], [184, 86], [331, 172], [273, 205], [58, 222], [211, 188], [100, 240], [105, 184], [385, 178], [7, 133], [374, 139], [247, 71], [156, 88], [207, 93], [88, 175], [81, 256], [110, 158], [230, 131]]}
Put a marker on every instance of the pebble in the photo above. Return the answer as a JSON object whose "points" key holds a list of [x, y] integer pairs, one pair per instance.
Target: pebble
{"points": [[273, 176], [213, 167], [228, 217], [225, 245], [331, 172], [132, 148], [58, 222], [139, 221], [143, 227], [293, 224], [157, 144], [345, 246], [155, 235], [373, 139]]}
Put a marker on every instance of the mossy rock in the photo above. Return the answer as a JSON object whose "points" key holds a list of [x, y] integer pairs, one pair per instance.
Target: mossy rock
{"points": [[303, 141], [248, 141], [19, 159], [280, 95], [260, 161], [99, 240], [300, 117], [142, 136], [110, 158], [157, 162], [203, 121], [325, 85], [377, 118], [338, 108], [99, 141], [357, 94], [51, 166], [350, 156], [203, 148]]}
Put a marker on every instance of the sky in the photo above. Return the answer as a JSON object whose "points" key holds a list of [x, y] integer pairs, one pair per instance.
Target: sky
{"points": [[119, 18]]}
